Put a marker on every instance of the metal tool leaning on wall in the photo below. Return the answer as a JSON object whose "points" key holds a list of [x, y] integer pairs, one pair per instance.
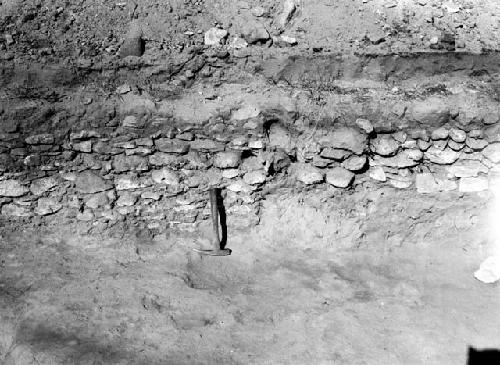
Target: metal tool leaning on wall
{"points": [[217, 244]]}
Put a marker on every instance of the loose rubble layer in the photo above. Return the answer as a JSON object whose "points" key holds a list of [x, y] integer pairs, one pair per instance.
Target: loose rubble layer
{"points": [[153, 179]]}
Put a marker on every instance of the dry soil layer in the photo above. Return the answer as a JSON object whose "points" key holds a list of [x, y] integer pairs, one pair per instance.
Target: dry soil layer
{"points": [[402, 292]]}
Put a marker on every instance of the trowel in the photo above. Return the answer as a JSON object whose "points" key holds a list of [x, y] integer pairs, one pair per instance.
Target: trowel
{"points": [[216, 242]]}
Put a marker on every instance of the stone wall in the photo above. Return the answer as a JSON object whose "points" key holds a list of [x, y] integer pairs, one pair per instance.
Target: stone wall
{"points": [[151, 178]]}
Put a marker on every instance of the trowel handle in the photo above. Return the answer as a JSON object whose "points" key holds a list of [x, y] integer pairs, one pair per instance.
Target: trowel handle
{"points": [[215, 218]]}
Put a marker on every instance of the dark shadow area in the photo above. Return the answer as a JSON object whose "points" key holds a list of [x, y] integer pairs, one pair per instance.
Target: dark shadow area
{"points": [[320, 70], [222, 218], [483, 357], [68, 347]]}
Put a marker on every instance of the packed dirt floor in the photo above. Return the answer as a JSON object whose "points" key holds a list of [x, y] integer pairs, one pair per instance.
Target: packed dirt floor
{"points": [[370, 274], [401, 293]]}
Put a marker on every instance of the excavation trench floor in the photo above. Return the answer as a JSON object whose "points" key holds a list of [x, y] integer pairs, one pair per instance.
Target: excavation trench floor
{"points": [[69, 300]]}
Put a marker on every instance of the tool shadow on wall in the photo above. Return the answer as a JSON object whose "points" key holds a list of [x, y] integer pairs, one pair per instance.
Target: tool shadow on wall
{"points": [[222, 218]]}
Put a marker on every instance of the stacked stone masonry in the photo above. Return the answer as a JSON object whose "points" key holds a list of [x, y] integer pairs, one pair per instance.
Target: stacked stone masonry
{"points": [[157, 179]]}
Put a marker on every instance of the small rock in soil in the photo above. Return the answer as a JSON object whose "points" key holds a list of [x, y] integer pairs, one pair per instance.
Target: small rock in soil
{"points": [[476, 144], [122, 163], [384, 145], [440, 144], [15, 210], [457, 135], [230, 173], [280, 137], [131, 121], [237, 43], [492, 152], [489, 270], [420, 134], [84, 146], [96, 201], [339, 177], [355, 163], [377, 173], [428, 183], [334, 153], [87, 182], [433, 111], [455, 146], [255, 32], [247, 111], [255, 177], [46, 206], [292, 41], [45, 138], [423, 145], [365, 125], [473, 184], [256, 144], [467, 168], [440, 133], [441, 157], [165, 177], [12, 188], [406, 158], [228, 159], [171, 146], [85, 216], [214, 36], [123, 89], [207, 145], [126, 199], [40, 186], [240, 186], [308, 174], [346, 138], [127, 182], [258, 11]]}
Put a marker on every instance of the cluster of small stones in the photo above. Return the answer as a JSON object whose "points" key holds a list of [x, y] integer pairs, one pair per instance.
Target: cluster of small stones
{"points": [[150, 181], [157, 180], [443, 159]]}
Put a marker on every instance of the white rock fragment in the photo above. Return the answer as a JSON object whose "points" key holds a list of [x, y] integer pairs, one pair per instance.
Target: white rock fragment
{"points": [[489, 270], [377, 173], [258, 11], [473, 184], [123, 89], [451, 7], [364, 124], [214, 36], [237, 43], [289, 40]]}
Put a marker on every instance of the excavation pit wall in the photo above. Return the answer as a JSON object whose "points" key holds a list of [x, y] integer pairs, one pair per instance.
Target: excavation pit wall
{"points": [[154, 179]]}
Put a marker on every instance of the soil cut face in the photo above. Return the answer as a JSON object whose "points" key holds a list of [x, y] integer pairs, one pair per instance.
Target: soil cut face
{"points": [[280, 298], [356, 145]]}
